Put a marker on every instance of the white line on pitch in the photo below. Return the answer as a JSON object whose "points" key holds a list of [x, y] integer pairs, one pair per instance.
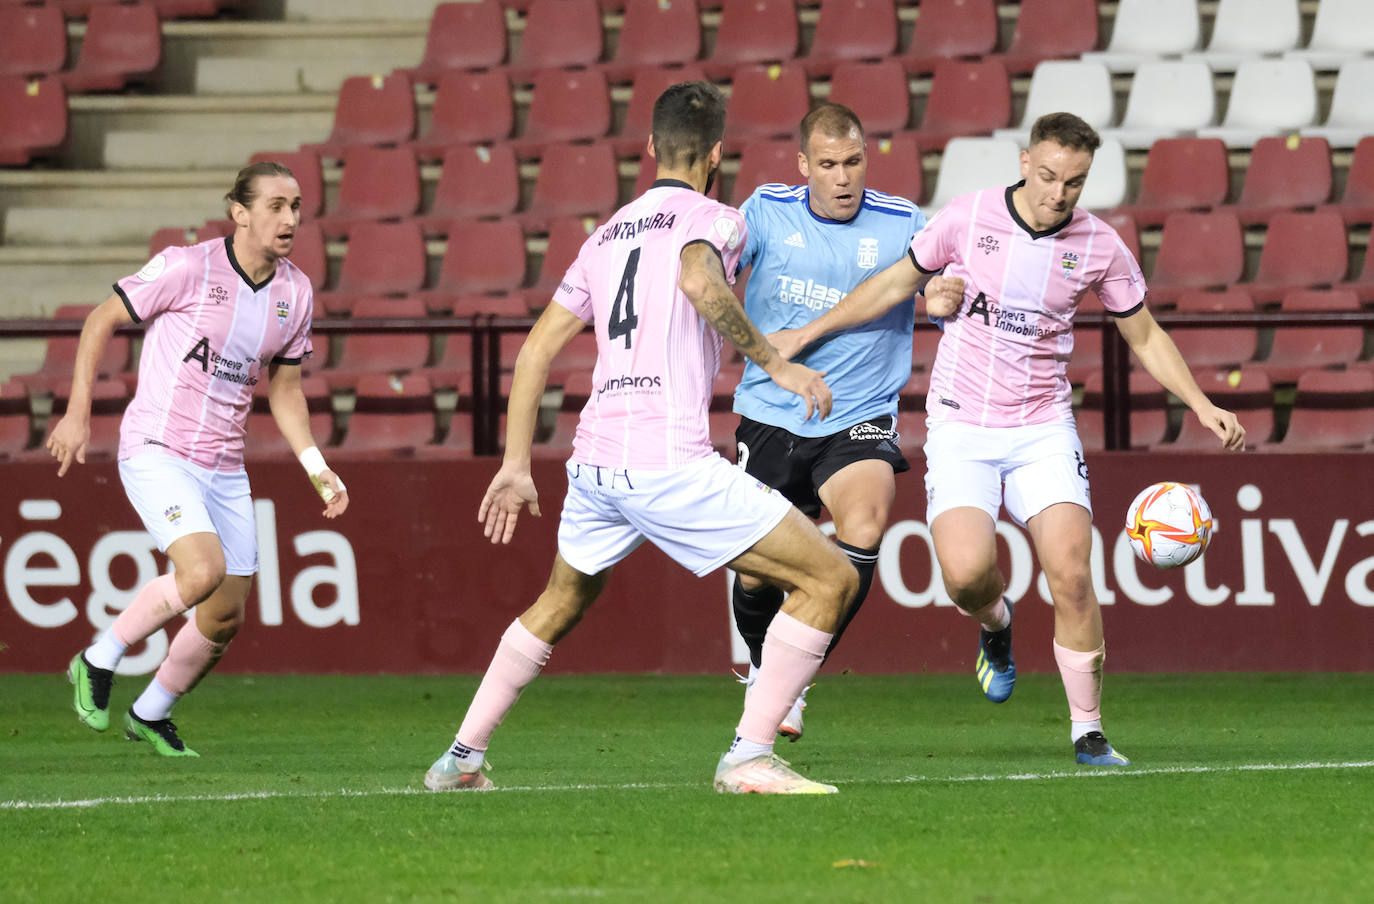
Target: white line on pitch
{"points": [[660, 786]]}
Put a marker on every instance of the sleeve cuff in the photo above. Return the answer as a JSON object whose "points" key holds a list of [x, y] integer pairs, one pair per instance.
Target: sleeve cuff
{"points": [[1134, 309], [128, 305], [917, 264]]}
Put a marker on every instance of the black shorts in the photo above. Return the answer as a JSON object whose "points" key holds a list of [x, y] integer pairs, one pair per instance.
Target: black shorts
{"points": [[797, 466]]}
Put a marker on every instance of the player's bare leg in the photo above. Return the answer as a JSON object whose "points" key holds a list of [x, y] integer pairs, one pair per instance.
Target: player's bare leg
{"points": [[524, 650], [966, 547], [1062, 535]]}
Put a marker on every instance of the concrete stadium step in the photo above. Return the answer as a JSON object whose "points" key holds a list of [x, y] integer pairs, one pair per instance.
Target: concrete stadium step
{"points": [[230, 75], [126, 225]]}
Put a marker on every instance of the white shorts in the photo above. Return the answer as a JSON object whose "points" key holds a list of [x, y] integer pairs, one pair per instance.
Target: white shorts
{"points": [[1040, 465], [702, 515], [175, 498]]}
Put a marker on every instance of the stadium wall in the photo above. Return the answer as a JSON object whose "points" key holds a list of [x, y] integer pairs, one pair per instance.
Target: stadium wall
{"points": [[405, 582]]}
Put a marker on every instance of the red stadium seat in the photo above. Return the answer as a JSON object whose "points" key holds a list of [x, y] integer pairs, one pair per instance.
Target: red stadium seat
{"points": [[950, 29], [469, 108], [721, 426], [577, 358], [264, 439], [453, 369], [894, 166], [966, 99], [876, 92], [559, 443], [308, 253], [377, 184], [1216, 346], [558, 33], [912, 396], [656, 34], [1124, 224], [925, 342], [1297, 349], [384, 353], [108, 400], [1284, 174], [1051, 30], [483, 258], [216, 229], [470, 35], [566, 237], [170, 236], [392, 417], [305, 166], [371, 110], [60, 357], [574, 179], [1197, 251], [123, 44], [382, 259], [911, 430], [649, 83], [1149, 413], [648, 173], [188, 9], [765, 102], [33, 40], [1247, 392], [567, 105], [763, 162], [16, 427], [852, 30], [457, 442], [1332, 411], [1357, 203], [475, 182], [1182, 174], [1301, 250], [33, 118], [753, 31]]}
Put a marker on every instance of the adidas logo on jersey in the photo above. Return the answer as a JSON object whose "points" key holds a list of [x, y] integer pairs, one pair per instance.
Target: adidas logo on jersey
{"points": [[795, 240]]}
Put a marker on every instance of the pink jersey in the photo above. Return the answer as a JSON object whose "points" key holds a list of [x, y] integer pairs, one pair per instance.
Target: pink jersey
{"points": [[656, 358], [1003, 358], [212, 337]]}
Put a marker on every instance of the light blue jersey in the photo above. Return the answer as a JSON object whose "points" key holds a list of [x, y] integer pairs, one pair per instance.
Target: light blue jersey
{"points": [[803, 265]]}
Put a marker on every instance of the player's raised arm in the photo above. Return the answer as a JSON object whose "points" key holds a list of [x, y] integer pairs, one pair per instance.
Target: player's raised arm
{"points": [[292, 414], [703, 282], [69, 438]]}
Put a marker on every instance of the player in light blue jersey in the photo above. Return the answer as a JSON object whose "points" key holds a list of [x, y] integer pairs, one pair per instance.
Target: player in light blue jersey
{"points": [[808, 246]]}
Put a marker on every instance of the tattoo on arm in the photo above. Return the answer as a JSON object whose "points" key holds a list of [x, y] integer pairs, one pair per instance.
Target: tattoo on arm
{"points": [[723, 312]]}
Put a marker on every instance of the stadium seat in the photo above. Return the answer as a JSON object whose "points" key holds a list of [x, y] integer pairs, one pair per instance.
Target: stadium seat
{"points": [[1106, 185], [574, 179], [875, 91], [216, 229], [765, 102], [894, 166], [851, 30], [1247, 29], [753, 31], [1197, 251], [308, 253], [966, 99], [381, 259], [576, 360], [457, 441], [1301, 251], [721, 426], [380, 353], [1247, 393], [1343, 30], [560, 440], [1357, 202], [371, 110], [1284, 174], [60, 356], [16, 427], [33, 118], [193, 9], [1331, 411], [305, 166], [924, 343], [170, 236], [648, 172], [377, 184], [567, 105], [1051, 29], [1167, 98], [1124, 224], [469, 108], [1146, 30], [33, 40], [392, 417], [950, 29], [484, 257], [566, 237], [1084, 88], [1301, 348], [1267, 97], [470, 35], [656, 34], [453, 369], [970, 164], [558, 33], [108, 400], [1149, 412], [1216, 346], [123, 44], [475, 182], [761, 162], [911, 430], [1351, 117], [912, 396], [1182, 174], [649, 83], [264, 439]]}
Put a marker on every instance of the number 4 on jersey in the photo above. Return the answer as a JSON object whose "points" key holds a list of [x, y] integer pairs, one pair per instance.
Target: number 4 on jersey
{"points": [[624, 325]]}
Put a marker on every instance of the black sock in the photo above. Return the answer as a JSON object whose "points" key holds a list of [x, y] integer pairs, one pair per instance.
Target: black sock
{"points": [[754, 611], [865, 560]]}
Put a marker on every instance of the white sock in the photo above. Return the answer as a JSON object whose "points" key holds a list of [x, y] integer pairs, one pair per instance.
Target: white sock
{"points": [[753, 676], [155, 702], [1081, 728], [106, 652], [465, 754], [743, 750]]}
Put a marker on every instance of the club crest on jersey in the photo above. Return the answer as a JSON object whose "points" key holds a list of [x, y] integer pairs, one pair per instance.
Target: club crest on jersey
{"points": [[173, 514], [868, 254], [283, 311], [1068, 263]]}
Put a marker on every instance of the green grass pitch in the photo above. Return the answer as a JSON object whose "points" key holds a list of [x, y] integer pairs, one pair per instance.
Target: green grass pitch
{"points": [[1251, 788]]}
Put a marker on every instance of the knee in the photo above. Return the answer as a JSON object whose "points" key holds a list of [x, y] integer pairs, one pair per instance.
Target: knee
{"points": [[1072, 590], [842, 583], [970, 587], [200, 578], [221, 627], [865, 532]]}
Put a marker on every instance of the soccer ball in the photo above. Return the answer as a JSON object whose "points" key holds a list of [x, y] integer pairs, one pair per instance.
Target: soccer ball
{"points": [[1169, 525]]}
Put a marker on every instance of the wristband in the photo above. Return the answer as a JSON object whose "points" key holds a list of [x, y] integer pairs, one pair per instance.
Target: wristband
{"points": [[313, 462]]}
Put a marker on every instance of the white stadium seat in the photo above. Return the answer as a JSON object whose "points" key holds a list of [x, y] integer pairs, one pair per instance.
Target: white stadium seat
{"points": [[1084, 89], [1268, 97], [1106, 185], [969, 164], [1245, 29], [1344, 30], [1352, 105], [1167, 98], [1147, 30]]}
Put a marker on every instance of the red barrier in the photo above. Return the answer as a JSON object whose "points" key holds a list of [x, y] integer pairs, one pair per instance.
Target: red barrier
{"points": [[405, 582]]}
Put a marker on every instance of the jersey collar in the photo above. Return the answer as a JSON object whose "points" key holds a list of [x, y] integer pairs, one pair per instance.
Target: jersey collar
{"points": [[234, 262], [670, 183], [1016, 217], [806, 200]]}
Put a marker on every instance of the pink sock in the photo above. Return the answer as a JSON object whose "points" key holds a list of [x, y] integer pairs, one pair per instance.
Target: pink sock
{"points": [[792, 653], [190, 658], [518, 660], [994, 616], [154, 606], [1082, 674]]}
